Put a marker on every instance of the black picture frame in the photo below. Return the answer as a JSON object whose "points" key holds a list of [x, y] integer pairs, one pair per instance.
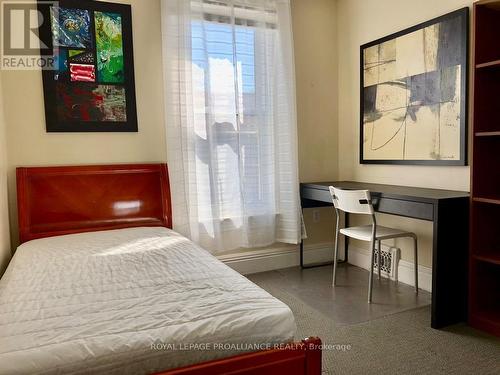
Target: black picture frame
{"points": [[463, 13], [53, 121]]}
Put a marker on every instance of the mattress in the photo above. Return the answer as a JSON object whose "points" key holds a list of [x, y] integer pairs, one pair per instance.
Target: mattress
{"points": [[129, 301]]}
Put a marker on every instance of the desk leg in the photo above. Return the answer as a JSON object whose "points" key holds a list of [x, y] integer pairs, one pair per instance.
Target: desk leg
{"points": [[301, 253], [450, 262], [346, 251], [314, 265]]}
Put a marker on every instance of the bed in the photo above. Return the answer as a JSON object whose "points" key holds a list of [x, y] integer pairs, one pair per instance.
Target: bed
{"points": [[101, 284]]}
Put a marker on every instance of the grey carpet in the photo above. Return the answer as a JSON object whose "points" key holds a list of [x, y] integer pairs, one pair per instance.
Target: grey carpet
{"points": [[401, 343]]}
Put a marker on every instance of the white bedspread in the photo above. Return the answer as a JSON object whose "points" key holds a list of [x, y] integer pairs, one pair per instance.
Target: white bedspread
{"points": [[106, 302]]}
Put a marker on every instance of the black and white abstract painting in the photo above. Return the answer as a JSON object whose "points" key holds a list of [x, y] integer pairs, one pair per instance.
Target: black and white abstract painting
{"points": [[414, 94]]}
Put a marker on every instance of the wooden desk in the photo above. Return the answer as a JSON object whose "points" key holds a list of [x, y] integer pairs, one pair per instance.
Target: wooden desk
{"points": [[449, 212]]}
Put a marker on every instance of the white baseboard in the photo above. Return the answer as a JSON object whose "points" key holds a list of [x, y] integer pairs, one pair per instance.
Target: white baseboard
{"points": [[250, 262], [276, 258], [360, 258]]}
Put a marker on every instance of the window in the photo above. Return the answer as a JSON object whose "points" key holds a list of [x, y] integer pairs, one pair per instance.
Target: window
{"points": [[231, 127], [226, 122]]}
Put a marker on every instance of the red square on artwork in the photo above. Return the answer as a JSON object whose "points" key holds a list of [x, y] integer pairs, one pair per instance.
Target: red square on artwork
{"points": [[82, 72]]}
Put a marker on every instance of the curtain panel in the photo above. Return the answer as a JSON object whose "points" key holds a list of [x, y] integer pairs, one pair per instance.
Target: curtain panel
{"points": [[231, 122]]}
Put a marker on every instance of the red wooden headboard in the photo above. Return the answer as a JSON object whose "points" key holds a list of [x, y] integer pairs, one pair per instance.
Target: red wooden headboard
{"points": [[54, 201]]}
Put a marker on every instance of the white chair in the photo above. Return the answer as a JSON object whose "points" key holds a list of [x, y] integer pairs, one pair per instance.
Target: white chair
{"points": [[359, 202]]}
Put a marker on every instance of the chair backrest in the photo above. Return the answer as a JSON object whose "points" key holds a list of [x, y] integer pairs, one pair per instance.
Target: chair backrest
{"points": [[352, 201]]}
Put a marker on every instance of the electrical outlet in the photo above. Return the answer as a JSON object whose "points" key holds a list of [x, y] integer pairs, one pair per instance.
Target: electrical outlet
{"points": [[316, 217]]}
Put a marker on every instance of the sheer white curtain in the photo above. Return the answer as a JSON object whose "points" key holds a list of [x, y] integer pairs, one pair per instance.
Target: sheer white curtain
{"points": [[231, 121]]}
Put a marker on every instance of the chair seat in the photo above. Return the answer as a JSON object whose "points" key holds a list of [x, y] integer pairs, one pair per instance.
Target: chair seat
{"points": [[364, 233]]}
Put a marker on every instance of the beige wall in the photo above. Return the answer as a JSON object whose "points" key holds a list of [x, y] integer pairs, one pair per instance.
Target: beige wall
{"points": [[314, 29], [5, 250], [359, 22], [315, 36], [29, 144], [327, 122], [327, 36]]}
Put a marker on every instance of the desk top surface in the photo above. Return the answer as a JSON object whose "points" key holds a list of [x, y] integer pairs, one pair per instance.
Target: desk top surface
{"points": [[389, 191]]}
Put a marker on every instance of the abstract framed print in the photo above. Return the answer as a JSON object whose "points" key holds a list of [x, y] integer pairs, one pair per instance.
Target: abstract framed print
{"points": [[90, 87], [414, 94]]}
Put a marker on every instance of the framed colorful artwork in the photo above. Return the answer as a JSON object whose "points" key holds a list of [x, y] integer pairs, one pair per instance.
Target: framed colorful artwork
{"points": [[414, 94], [90, 87]]}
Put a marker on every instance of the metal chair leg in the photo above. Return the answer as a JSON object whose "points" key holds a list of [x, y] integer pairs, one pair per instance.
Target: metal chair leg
{"points": [[335, 255], [379, 244], [416, 264], [370, 280]]}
